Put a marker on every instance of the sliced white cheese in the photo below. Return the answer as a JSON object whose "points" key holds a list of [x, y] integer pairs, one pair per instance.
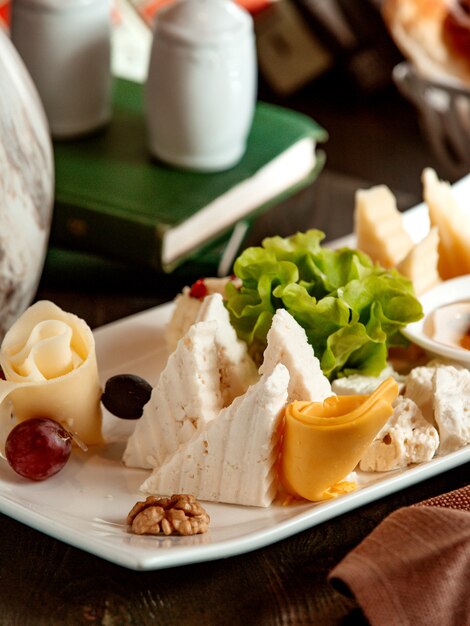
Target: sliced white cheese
{"points": [[378, 226], [288, 344], [236, 367], [451, 388], [452, 222], [421, 263], [186, 397], [405, 439], [49, 360], [234, 458]]}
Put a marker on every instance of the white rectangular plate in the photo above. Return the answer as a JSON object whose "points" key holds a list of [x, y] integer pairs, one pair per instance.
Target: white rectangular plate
{"points": [[86, 504]]}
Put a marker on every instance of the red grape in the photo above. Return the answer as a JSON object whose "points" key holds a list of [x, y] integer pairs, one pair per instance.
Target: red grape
{"points": [[38, 448]]}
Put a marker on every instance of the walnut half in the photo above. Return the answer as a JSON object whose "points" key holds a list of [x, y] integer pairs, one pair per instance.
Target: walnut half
{"points": [[180, 514]]}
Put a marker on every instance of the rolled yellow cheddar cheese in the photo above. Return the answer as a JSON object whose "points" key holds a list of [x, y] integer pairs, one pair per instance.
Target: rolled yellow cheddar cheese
{"points": [[324, 441], [49, 361]]}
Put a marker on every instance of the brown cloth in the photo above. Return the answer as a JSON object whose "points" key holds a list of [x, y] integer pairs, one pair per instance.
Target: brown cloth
{"points": [[414, 568]]}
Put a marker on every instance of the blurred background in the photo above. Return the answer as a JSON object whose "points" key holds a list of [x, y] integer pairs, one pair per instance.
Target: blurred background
{"points": [[330, 59]]}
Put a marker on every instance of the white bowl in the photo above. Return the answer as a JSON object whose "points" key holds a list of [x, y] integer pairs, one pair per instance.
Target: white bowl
{"points": [[447, 292]]}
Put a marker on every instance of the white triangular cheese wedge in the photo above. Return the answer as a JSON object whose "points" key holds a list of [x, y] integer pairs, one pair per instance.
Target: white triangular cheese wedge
{"points": [[288, 344], [186, 397], [236, 367], [234, 458]]}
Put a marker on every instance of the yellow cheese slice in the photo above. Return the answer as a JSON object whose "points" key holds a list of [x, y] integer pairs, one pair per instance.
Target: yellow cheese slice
{"points": [[323, 442], [49, 361], [452, 223], [420, 264], [379, 227]]}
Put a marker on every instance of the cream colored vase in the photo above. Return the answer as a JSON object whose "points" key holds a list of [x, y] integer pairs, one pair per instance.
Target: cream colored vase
{"points": [[26, 186]]}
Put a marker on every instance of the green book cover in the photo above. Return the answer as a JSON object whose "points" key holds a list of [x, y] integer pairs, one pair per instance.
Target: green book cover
{"points": [[112, 199], [65, 267]]}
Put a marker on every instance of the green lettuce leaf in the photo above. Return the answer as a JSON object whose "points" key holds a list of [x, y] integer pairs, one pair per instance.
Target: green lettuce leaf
{"points": [[352, 310]]}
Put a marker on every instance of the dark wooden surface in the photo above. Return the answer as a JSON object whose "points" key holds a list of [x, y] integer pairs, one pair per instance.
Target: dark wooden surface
{"points": [[46, 582]]}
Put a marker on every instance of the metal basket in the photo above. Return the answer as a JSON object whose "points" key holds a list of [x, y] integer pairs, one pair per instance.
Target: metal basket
{"points": [[444, 115]]}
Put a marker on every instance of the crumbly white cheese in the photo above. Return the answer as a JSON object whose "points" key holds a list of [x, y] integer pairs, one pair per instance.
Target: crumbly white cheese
{"points": [[357, 384], [405, 439], [234, 458], [184, 314], [418, 387], [288, 344], [236, 367], [187, 309], [186, 397], [451, 388]]}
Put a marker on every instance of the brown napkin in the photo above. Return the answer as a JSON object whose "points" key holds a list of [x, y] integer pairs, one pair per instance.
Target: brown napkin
{"points": [[414, 568]]}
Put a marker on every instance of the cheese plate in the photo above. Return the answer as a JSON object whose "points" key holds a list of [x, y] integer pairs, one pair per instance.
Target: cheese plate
{"points": [[86, 504]]}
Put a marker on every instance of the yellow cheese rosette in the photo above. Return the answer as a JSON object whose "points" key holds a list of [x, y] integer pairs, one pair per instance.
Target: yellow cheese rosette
{"points": [[324, 441], [49, 362]]}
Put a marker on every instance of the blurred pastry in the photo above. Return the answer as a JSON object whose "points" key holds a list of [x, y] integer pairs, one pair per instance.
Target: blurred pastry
{"points": [[434, 35]]}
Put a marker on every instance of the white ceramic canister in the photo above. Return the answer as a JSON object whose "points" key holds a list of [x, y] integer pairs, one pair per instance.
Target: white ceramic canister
{"points": [[66, 46], [201, 86], [26, 186]]}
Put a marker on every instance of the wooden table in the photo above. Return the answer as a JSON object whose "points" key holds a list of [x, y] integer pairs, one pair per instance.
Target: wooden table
{"points": [[46, 583]]}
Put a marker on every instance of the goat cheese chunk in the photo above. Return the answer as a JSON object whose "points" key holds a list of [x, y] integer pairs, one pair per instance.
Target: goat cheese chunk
{"points": [[233, 459], [236, 367], [287, 344], [419, 388], [451, 387], [186, 397], [405, 439], [357, 384]]}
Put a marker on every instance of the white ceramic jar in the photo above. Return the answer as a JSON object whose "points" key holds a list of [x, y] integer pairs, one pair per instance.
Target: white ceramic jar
{"points": [[201, 85], [65, 44], [26, 186]]}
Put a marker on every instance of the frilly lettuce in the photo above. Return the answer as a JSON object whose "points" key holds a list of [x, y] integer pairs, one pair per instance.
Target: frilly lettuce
{"points": [[351, 309]]}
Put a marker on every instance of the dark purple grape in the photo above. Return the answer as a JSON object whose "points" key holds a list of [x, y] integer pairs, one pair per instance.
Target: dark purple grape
{"points": [[38, 448], [125, 396]]}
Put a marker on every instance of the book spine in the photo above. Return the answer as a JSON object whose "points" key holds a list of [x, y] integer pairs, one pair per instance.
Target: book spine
{"points": [[114, 236]]}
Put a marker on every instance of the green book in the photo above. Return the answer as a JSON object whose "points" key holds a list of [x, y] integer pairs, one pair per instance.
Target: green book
{"points": [[113, 200], [66, 268]]}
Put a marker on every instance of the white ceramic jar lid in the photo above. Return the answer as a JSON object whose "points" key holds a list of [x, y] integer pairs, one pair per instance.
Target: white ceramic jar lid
{"points": [[199, 22], [58, 5]]}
